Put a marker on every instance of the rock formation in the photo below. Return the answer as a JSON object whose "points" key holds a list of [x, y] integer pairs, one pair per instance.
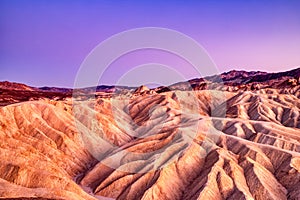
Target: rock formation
{"points": [[203, 139]]}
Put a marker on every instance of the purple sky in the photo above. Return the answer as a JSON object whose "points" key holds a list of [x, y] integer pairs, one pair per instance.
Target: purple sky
{"points": [[44, 42]]}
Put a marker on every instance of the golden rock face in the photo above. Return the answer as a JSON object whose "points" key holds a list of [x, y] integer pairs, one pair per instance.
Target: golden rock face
{"points": [[162, 145]]}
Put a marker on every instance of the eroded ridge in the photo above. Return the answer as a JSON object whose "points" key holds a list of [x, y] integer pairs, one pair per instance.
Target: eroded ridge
{"points": [[161, 144]]}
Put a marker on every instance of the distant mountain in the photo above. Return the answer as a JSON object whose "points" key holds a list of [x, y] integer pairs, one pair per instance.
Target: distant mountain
{"points": [[234, 80], [15, 86], [55, 89], [244, 77], [242, 80], [231, 78]]}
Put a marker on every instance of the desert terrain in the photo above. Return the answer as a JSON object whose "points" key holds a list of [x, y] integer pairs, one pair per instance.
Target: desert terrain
{"points": [[230, 136]]}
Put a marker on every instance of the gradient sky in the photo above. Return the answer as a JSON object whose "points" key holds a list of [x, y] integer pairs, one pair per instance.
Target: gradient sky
{"points": [[44, 42]]}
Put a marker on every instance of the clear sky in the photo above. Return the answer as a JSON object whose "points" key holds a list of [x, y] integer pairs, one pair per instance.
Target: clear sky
{"points": [[44, 42]]}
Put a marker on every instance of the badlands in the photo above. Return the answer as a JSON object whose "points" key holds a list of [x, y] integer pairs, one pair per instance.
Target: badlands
{"points": [[229, 136]]}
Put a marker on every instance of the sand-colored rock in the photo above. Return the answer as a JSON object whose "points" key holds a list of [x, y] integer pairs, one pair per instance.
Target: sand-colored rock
{"points": [[234, 140]]}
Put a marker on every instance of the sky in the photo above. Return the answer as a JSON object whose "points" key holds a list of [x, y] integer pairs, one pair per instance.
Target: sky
{"points": [[45, 42]]}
